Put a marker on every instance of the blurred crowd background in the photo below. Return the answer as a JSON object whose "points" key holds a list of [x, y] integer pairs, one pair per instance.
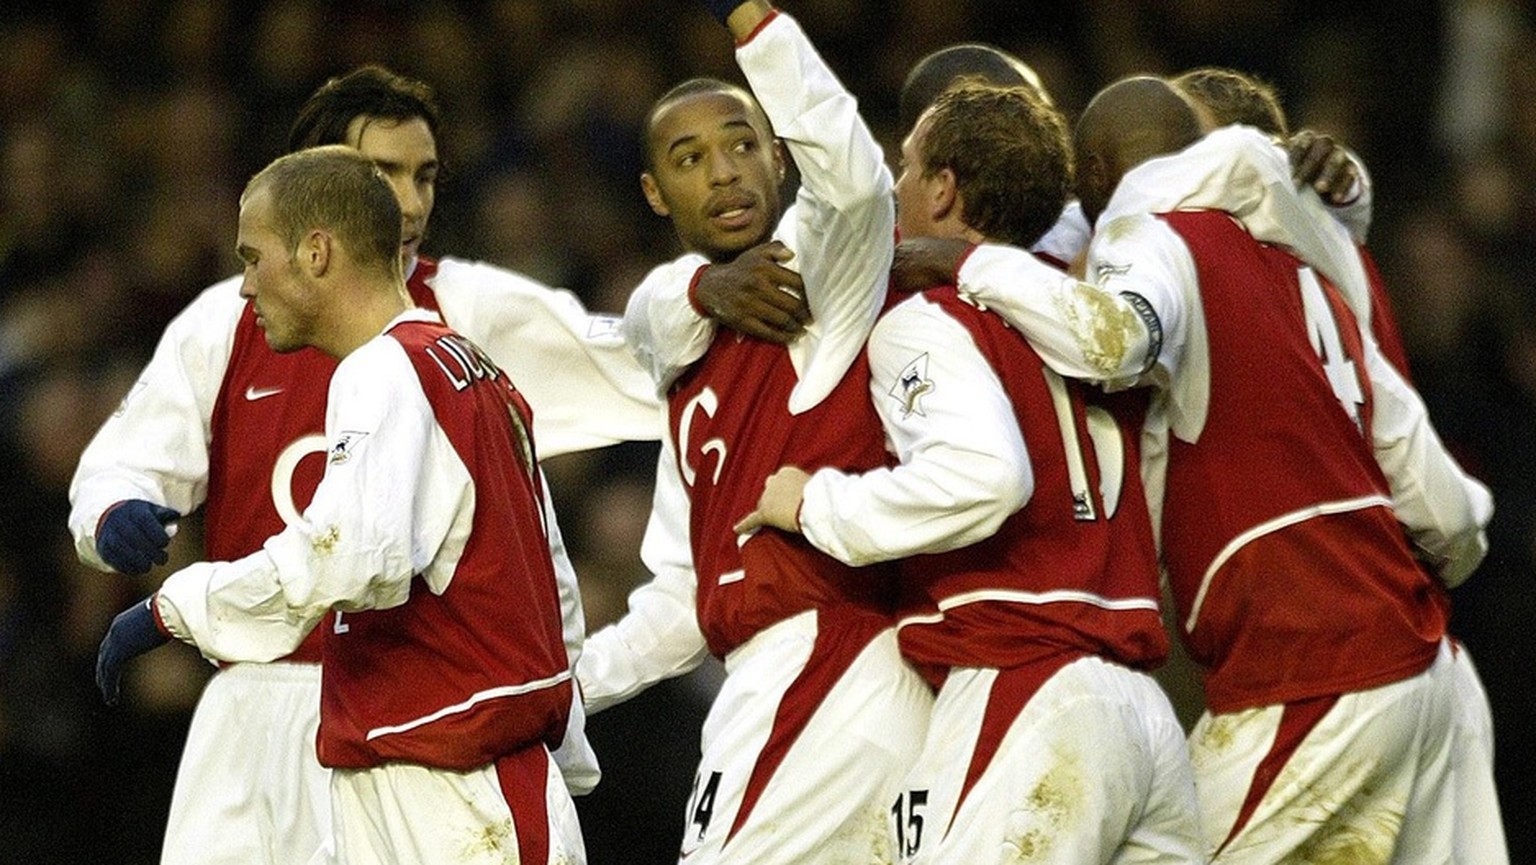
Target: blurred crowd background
{"points": [[128, 127]]}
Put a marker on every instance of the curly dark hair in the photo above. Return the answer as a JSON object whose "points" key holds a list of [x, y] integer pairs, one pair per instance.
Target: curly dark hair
{"points": [[368, 91]]}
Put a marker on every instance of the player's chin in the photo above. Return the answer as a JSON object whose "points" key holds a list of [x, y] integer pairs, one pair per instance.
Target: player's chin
{"points": [[726, 245]]}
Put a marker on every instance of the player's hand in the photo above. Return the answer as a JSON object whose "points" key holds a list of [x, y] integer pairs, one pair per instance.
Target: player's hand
{"points": [[132, 535], [1324, 164], [131, 634], [924, 262], [779, 505], [756, 294]]}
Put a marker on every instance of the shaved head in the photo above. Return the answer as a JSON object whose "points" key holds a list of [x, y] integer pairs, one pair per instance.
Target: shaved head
{"points": [[972, 61], [1127, 123]]}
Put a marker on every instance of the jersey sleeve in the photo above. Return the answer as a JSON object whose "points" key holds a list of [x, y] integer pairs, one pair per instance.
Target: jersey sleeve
{"points": [[658, 637], [395, 501], [1140, 256], [663, 329], [572, 365], [1081, 330], [155, 445], [964, 467], [841, 226], [1444, 511], [575, 757]]}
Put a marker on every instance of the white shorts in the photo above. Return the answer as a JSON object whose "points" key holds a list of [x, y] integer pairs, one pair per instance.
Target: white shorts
{"points": [[1093, 769], [1368, 776], [816, 740], [250, 788], [1479, 832], [517, 810]]}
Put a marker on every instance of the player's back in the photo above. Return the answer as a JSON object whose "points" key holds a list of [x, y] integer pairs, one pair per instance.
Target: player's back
{"points": [[1292, 576], [1071, 573], [472, 667]]}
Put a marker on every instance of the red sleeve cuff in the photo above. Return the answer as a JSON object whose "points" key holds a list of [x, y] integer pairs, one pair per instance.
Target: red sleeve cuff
{"points": [[693, 293], [758, 29], [104, 514], [154, 610]]}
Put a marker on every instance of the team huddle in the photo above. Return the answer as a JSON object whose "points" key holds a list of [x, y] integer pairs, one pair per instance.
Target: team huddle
{"points": [[941, 451]]}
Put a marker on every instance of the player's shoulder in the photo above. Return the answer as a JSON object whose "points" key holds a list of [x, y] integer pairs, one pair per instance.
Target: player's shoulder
{"points": [[213, 313], [464, 275], [918, 315]]}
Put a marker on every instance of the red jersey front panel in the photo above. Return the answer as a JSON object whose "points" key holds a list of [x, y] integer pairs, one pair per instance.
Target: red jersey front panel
{"points": [[730, 422]]}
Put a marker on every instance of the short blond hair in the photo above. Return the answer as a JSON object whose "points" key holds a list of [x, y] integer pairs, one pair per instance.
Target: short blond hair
{"points": [[337, 189]]}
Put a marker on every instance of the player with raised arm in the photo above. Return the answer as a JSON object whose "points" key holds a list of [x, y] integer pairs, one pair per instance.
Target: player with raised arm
{"points": [[219, 420], [818, 716], [444, 678], [1030, 579]]}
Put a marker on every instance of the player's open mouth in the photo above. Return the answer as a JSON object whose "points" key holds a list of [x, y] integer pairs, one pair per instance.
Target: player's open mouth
{"points": [[733, 215]]}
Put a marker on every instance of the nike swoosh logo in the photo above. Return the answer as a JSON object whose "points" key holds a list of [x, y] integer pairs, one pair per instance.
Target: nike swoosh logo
{"points": [[254, 393]]}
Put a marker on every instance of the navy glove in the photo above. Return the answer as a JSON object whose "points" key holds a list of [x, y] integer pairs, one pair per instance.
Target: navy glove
{"points": [[722, 9], [132, 537], [132, 633]]}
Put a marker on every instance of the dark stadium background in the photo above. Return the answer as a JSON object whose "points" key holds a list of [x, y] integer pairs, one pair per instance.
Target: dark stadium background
{"points": [[127, 129]]}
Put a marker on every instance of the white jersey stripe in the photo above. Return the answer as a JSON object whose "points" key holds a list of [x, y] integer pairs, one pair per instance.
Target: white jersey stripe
{"points": [[1014, 596], [1274, 525], [480, 697]]}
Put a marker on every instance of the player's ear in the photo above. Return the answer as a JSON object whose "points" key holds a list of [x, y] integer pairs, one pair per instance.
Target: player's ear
{"points": [[315, 252], [779, 162], [653, 195], [943, 194]]}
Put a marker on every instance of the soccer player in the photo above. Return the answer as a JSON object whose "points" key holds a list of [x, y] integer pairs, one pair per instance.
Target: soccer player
{"points": [[445, 677], [1030, 578], [1229, 96], [217, 419], [818, 716], [1302, 498]]}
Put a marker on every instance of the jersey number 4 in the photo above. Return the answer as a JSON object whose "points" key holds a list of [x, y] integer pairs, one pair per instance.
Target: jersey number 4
{"points": [[1327, 338]]}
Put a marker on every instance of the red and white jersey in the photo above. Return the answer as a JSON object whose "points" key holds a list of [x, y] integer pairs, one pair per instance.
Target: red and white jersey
{"points": [[1016, 510], [732, 427], [740, 408], [1291, 573], [426, 538], [217, 419]]}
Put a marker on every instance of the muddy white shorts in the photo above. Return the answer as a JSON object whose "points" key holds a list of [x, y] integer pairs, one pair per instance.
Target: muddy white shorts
{"points": [[516, 810], [1399, 773], [804, 747], [1091, 769]]}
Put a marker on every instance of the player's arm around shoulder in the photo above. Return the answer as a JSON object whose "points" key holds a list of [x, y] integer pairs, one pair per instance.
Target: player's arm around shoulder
{"points": [[155, 445], [663, 326], [1080, 329], [964, 466], [573, 366]]}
